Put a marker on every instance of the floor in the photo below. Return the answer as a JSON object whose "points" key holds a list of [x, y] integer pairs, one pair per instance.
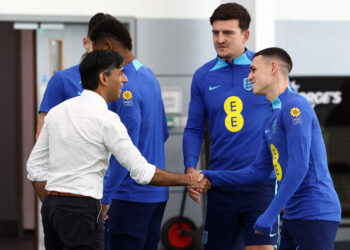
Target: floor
{"points": [[27, 243], [14, 243]]}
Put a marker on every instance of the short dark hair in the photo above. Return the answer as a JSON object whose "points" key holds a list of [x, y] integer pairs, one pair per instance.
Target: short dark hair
{"points": [[112, 28], [94, 63], [98, 17], [277, 54], [230, 11]]}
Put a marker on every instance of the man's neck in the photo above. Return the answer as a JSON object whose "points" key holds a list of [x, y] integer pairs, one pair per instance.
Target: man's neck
{"points": [[128, 56], [277, 89], [231, 59], [102, 94]]}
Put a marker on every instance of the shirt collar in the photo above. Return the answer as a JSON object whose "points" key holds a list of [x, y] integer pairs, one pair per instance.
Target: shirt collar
{"points": [[277, 103], [136, 64], [244, 59], [94, 96]]}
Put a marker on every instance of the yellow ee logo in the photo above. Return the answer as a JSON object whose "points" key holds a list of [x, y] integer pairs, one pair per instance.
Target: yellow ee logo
{"points": [[234, 120], [276, 165]]}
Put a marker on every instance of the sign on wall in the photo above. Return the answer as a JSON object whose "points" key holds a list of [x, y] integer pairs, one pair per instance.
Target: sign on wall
{"points": [[172, 99], [329, 96]]}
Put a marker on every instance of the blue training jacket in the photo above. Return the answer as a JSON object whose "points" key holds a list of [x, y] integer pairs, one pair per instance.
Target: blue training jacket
{"points": [[220, 90], [141, 110], [63, 85], [294, 148]]}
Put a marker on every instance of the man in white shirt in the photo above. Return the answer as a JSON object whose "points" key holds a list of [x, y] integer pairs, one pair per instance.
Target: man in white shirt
{"points": [[71, 155]]}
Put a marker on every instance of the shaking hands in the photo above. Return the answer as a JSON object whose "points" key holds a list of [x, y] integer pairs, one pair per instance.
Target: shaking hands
{"points": [[199, 184]]}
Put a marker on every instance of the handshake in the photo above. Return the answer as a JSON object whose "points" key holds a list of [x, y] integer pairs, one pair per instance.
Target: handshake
{"points": [[199, 184]]}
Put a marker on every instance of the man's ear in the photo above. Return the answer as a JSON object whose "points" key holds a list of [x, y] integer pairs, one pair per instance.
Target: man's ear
{"points": [[85, 42], [275, 67], [102, 77], [105, 44], [108, 44], [246, 35]]}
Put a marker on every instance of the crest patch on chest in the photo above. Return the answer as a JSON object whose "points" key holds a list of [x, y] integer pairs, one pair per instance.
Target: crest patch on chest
{"points": [[247, 85]]}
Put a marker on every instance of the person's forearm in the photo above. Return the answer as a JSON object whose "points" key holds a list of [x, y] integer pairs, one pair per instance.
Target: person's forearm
{"points": [[166, 178], [39, 187], [247, 176]]}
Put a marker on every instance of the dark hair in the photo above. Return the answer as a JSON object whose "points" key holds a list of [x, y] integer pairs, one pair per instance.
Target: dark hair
{"points": [[230, 11], [277, 54], [112, 28], [94, 63], [95, 20]]}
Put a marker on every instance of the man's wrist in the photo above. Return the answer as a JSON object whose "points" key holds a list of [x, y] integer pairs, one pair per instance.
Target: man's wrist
{"points": [[106, 201], [189, 169]]}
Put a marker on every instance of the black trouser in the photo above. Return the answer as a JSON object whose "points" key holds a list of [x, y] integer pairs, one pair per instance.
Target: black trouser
{"points": [[72, 223]]}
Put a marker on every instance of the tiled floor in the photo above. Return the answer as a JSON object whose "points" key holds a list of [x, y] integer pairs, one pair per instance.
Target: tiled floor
{"points": [[27, 243]]}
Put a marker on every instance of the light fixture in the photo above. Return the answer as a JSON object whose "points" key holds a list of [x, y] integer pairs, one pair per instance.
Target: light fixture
{"points": [[25, 26]]}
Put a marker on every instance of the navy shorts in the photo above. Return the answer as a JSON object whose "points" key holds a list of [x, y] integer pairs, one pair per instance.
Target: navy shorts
{"points": [[133, 225], [308, 234], [231, 213]]}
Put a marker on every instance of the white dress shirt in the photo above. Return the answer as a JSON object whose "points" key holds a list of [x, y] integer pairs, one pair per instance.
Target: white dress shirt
{"points": [[74, 146]]}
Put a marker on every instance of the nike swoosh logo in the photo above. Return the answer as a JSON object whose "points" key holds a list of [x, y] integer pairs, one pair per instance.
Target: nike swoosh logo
{"points": [[267, 131], [271, 235], [215, 87]]}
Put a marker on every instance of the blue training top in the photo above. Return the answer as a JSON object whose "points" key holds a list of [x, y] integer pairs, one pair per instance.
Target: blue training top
{"points": [[221, 91], [62, 86], [295, 147], [141, 110]]}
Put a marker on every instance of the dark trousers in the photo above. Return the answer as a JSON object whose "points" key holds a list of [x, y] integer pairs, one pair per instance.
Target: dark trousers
{"points": [[72, 223], [308, 234], [231, 215], [134, 225]]}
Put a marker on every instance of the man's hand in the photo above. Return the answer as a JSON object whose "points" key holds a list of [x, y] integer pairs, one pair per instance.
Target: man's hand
{"points": [[193, 193], [199, 181], [263, 224], [204, 181], [105, 208], [39, 187]]}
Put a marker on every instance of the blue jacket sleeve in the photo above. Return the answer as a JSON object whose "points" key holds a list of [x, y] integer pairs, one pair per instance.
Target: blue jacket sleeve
{"points": [[131, 118], [193, 134], [257, 173], [54, 93], [298, 139]]}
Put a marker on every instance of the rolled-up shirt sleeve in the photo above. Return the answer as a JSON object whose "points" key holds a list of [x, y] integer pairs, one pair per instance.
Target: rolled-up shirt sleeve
{"points": [[118, 142], [38, 162]]}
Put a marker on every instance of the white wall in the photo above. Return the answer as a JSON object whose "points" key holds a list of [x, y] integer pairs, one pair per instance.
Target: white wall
{"points": [[321, 10], [284, 9], [135, 8]]}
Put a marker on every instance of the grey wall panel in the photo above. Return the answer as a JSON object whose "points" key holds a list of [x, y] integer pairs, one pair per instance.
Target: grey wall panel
{"points": [[316, 47], [72, 34], [174, 46], [174, 49], [182, 82]]}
